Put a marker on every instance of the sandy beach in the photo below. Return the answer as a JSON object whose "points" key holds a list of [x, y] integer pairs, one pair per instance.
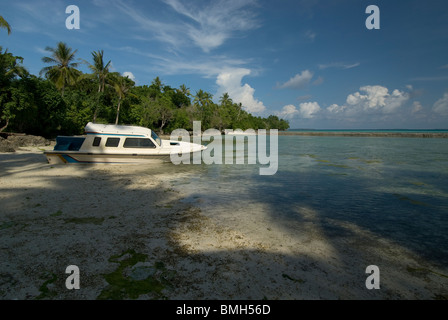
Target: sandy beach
{"points": [[133, 236]]}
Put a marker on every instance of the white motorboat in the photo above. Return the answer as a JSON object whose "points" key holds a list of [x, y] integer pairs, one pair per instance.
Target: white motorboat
{"points": [[117, 144]]}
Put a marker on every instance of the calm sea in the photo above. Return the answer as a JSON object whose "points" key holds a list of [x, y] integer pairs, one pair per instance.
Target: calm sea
{"points": [[394, 188], [373, 130]]}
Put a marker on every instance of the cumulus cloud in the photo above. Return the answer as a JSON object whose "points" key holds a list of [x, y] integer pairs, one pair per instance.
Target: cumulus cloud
{"points": [[299, 81], [416, 107], [288, 112], [335, 109], [441, 105], [372, 99], [129, 74], [230, 81], [307, 110]]}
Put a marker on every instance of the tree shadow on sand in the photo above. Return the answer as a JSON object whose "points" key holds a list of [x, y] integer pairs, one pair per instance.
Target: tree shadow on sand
{"points": [[133, 238]]}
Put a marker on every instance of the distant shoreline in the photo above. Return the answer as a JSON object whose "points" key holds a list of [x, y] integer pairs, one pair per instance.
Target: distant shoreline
{"points": [[399, 134], [367, 134]]}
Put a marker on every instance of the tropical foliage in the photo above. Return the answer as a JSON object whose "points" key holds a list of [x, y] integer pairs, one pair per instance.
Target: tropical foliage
{"points": [[63, 99], [63, 70], [5, 24]]}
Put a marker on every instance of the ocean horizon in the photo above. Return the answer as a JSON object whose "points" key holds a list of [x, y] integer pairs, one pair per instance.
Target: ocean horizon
{"points": [[372, 130]]}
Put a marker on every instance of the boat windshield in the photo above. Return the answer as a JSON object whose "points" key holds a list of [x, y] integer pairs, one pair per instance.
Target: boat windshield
{"points": [[156, 138]]}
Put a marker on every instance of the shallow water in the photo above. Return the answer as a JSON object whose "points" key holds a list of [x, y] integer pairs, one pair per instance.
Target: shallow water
{"points": [[395, 188]]}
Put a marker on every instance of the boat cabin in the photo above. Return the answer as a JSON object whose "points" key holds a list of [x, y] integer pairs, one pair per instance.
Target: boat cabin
{"points": [[110, 138]]}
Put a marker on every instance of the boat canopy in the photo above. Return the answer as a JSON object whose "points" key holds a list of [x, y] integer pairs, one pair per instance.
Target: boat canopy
{"points": [[92, 128], [68, 143]]}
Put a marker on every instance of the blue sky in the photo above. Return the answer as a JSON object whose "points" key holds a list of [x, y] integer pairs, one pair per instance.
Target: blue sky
{"points": [[312, 62]]}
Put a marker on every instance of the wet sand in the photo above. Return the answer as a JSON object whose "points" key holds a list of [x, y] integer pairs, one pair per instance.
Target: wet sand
{"points": [[133, 235]]}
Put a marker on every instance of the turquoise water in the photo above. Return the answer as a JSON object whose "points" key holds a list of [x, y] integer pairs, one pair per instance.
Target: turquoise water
{"points": [[373, 130], [394, 188]]}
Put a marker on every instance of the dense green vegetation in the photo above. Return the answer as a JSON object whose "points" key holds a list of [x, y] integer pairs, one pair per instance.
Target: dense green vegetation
{"points": [[62, 99]]}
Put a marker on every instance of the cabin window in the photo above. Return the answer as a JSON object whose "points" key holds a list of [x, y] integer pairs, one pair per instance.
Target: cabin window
{"points": [[156, 138], [138, 143], [96, 142], [112, 142]]}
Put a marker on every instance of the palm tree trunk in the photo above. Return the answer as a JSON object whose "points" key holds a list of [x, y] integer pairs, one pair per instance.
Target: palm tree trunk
{"points": [[97, 104], [95, 114], [118, 112]]}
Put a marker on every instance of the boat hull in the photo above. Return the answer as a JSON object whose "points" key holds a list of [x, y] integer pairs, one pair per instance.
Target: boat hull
{"points": [[78, 157]]}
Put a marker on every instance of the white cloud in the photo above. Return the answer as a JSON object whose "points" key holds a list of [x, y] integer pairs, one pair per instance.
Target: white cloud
{"points": [[370, 104], [38, 16], [335, 109], [441, 105], [310, 35], [299, 81], [215, 22], [339, 65], [416, 107], [376, 99], [288, 112], [41, 51], [130, 75], [228, 73], [307, 110], [318, 81], [230, 81], [205, 25]]}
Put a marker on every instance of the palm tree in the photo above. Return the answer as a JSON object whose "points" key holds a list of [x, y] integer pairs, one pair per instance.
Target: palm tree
{"points": [[63, 72], [184, 90], [225, 99], [10, 68], [157, 84], [99, 69], [5, 24], [122, 85], [100, 72], [203, 98], [203, 101]]}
